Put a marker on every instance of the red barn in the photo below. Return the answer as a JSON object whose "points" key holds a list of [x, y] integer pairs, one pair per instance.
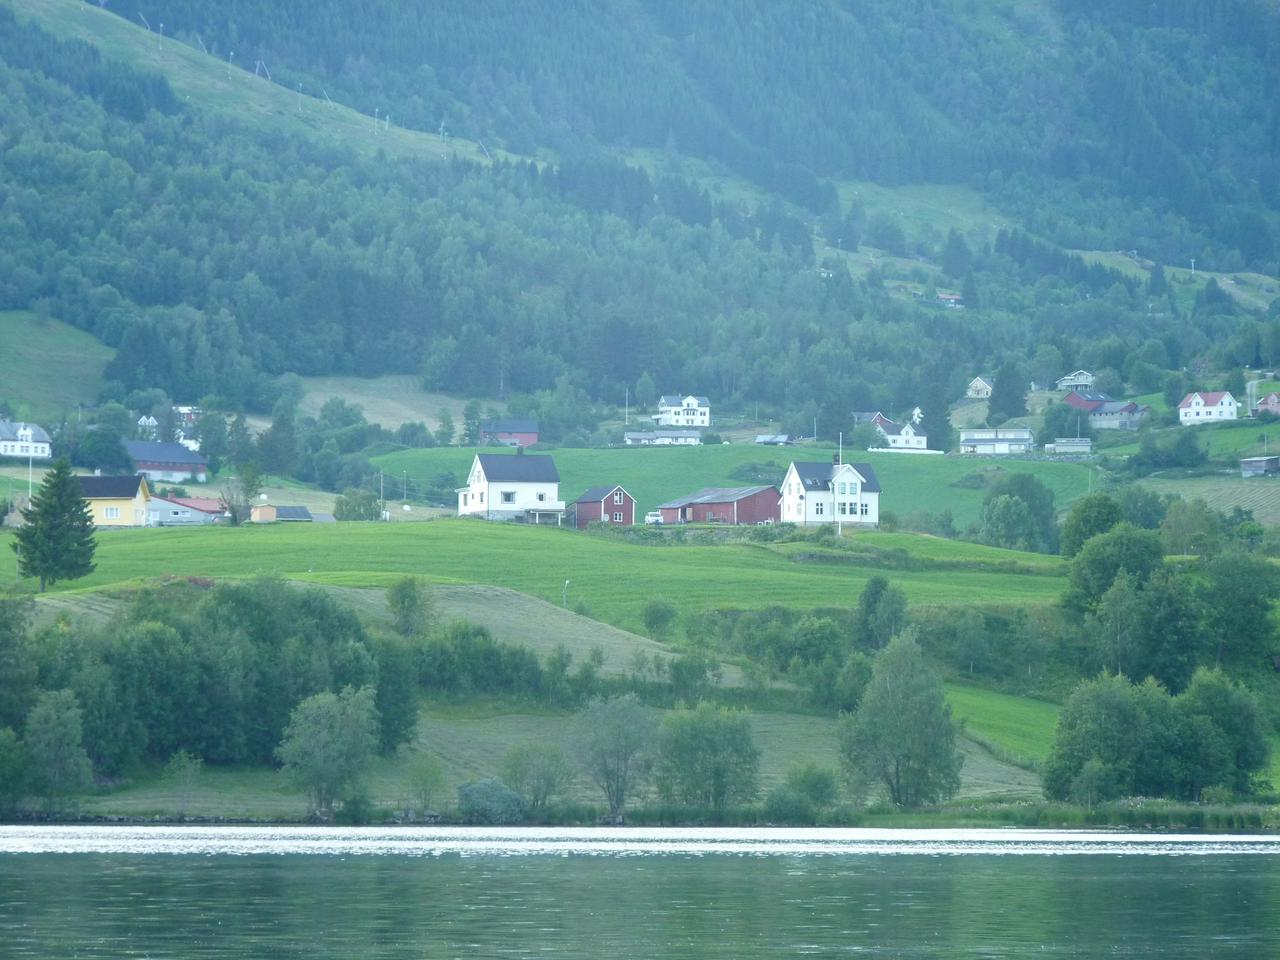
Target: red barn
{"points": [[510, 433], [609, 504], [724, 505]]}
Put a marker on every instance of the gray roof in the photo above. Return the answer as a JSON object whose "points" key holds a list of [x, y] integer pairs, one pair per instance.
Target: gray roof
{"points": [[509, 426], [9, 431], [716, 495], [817, 475], [293, 513], [674, 400], [153, 451], [655, 434], [522, 468], [109, 488], [596, 494]]}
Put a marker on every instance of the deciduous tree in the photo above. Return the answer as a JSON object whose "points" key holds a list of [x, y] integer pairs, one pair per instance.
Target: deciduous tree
{"points": [[329, 744], [613, 743], [707, 757]]}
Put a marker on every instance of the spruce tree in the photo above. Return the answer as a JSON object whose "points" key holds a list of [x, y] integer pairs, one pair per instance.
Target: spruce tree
{"points": [[55, 541]]}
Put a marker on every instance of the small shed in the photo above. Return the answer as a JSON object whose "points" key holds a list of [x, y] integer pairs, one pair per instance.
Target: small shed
{"points": [[604, 505], [1260, 467]]}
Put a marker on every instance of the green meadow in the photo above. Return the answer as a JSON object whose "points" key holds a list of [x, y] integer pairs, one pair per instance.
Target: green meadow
{"points": [[614, 579], [50, 366], [654, 475]]}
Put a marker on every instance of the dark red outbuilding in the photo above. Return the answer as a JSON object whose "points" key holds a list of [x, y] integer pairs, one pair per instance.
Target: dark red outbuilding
{"points": [[740, 505], [610, 504]]}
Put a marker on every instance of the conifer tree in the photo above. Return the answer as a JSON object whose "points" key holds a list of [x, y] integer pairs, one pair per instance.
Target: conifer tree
{"points": [[55, 541]]}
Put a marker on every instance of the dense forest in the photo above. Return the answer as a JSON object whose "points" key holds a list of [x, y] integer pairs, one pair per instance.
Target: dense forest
{"points": [[218, 254]]}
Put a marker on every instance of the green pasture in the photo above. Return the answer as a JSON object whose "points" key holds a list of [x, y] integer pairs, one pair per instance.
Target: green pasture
{"points": [[1259, 494], [654, 475], [614, 579], [50, 367], [471, 741], [1020, 726]]}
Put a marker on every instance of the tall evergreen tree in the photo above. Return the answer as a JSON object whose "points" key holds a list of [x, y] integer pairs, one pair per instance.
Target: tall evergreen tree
{"points": [[1008, 394], [55, 541]]}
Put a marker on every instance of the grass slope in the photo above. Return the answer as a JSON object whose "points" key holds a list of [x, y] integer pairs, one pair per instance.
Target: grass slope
{"points": [[1259, 494], [388, 400], [654, 475], [614, 579], [49, 366]]}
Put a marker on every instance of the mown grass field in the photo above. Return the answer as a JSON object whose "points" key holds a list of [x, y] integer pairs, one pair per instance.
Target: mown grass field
{"points": [[471, 741], [1019, 726], [653, 475], [1259, 494], [49, 367], [388, 400], [613, 579]]}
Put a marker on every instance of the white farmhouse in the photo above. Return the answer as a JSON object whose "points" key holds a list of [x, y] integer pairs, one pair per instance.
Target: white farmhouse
{"points": [[1076, 380], [25, 440], [1210, 407], [819, 493], [505, 487], [683, 412], [902, 436], [662, 438], [979, 389], [997, 441]]}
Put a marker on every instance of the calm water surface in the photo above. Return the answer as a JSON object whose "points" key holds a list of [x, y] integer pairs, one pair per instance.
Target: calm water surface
{"points": [[176, 892]]}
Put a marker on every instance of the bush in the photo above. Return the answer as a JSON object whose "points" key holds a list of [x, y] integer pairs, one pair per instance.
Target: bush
{"points": [[489, 802]]}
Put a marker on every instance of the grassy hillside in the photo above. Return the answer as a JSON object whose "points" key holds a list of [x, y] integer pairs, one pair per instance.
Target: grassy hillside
{"points": [[1259, 494], [613, 579], [388, 400], [49, 366], [911, 484]]}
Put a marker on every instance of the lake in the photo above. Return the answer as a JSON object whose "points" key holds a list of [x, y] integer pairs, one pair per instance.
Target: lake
{"points": [[180, 892]]}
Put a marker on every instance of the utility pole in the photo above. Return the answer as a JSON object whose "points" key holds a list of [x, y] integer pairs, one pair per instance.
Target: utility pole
{"points": [[564, 595], [626, 405]]}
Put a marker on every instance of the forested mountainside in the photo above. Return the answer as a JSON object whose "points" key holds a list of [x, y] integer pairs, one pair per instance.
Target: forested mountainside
{"points": [[218, 250], [1116, 124]]}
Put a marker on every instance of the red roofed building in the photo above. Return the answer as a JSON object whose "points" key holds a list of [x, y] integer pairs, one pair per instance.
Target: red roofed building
{"points": [[1207, 407], [1269, 404]]}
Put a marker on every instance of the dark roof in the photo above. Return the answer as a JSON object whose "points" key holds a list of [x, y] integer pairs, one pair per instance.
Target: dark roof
{"points": [[817, 476], [509, 426], [522, 468], [677, 399], [596, 494], [293, 513], [109, 488], [716, 495], [153, 451], [9, 431]]}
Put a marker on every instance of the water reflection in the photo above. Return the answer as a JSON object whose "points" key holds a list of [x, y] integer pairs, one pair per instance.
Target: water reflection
{"points": [[98, 893]]}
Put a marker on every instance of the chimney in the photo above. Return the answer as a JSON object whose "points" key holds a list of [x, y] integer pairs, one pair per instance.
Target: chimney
{"points": [[835, 459]]}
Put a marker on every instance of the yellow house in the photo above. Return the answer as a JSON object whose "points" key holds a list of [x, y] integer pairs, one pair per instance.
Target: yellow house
{"points": [[117, 501]]}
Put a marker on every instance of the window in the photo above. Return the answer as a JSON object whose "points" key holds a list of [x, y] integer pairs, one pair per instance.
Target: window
{"points": [[617, 517], [817, 509], [618, 496], [542, 498], [508, 496], [864, 509], [464, 499], [111, 513]]}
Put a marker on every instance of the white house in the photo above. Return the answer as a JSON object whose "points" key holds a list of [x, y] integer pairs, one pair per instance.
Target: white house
{"points": [[902, 436], [683, 412], [25, 440], [997, 441], [979, 389], [818, 493], [1209, 407], [523, 486], [662, 438], [1076, 380]]}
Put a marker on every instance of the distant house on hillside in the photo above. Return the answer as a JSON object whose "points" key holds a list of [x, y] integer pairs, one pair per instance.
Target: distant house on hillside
{"points": [[732, 505], [25, 440], [774, 439], [1070, 446], [148, 427], [902, 436], [604, 505], [979, 389], [509, 433], [1076, 380], [1207, 407], [1269, 404], [676, 411], [953, 300], [662, 438], [184, 511], [1105, 413], [997, 441], [117, 501], [505, 487], [166, 462], [820, 492]]}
